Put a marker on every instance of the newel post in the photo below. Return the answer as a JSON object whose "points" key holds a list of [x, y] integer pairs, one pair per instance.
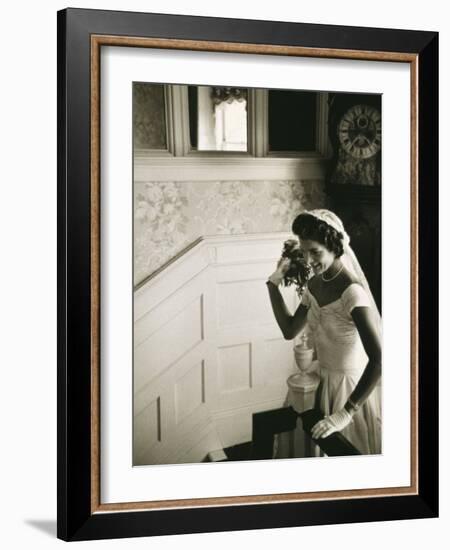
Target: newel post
{"points": [[302, 395]]}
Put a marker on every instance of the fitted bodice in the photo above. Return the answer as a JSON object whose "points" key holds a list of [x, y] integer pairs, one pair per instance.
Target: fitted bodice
{"points": [[341, 361], [338, 344]]}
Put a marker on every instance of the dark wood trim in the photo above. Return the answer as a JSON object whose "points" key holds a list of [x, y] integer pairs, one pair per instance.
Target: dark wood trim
{"points": [[269, 423], [78, 271], [335, 444]]}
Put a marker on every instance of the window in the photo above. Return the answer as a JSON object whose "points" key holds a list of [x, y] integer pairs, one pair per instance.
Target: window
{"points": [[228, 133], [292, 121], [218, 118]]}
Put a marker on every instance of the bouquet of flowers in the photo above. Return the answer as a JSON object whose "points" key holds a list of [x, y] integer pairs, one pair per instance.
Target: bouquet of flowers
{"points": [[299, 271]]}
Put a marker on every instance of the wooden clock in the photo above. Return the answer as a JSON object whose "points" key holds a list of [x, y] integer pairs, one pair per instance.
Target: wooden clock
{"points": [[354, 176], [359, 131], [355, 135]]}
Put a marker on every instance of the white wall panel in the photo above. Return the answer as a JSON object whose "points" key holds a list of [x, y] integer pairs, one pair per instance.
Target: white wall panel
{"points": [[148, 426], [208, 352], [243, 303], [189, 392], [168, 308], [235, 368], [245, 253], [166, 380], [169, 343], [279, 361], [164, 284]]}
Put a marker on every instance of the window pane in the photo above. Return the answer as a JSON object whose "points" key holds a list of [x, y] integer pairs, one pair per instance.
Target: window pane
{"points": [[193, 109], [292, 120], [218, 118], [149, 116]]}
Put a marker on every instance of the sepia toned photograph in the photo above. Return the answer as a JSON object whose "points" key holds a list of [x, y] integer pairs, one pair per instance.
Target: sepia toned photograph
{"points": [[246, 315], [257, 274]]}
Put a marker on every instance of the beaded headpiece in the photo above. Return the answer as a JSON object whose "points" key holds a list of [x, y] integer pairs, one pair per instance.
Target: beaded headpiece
{"points": [[331, 219]]}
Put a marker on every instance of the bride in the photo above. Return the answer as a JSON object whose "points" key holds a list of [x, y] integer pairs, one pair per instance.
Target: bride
{"points": [[342, 315]]}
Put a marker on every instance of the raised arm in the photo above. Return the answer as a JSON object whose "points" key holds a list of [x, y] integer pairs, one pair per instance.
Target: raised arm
{"points": [[289, 324]]}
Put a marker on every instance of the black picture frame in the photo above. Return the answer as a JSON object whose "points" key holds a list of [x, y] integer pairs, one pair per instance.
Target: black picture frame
{"points": [[78, 518]]}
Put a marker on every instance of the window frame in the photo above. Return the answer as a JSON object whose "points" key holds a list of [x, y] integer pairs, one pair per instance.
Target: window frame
{"points": [[180, 162]]}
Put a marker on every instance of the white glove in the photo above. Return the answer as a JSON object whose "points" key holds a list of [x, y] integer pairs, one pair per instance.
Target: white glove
{"points": [[333, 423], [282, 266]]}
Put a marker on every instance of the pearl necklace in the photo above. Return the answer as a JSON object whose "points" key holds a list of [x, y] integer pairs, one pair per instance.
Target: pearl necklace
{"points": [[334, 276]]}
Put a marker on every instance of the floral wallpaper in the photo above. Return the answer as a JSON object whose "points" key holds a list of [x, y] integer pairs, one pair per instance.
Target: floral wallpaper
{"points": [[149, 126], [171, 215]]}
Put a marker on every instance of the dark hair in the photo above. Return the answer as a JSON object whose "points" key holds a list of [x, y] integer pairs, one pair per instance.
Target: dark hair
{"points": [[308, 227]]}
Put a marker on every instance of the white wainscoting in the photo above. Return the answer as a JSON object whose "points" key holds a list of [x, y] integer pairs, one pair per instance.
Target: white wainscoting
{"points": [[207, 351]]}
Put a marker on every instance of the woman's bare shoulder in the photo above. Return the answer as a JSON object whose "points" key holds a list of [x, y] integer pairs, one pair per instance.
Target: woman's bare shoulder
{"points": [[345, 283], [348, 279]]}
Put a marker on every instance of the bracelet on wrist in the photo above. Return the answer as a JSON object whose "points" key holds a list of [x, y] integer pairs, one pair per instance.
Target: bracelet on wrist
{"points": [[353, 406]]}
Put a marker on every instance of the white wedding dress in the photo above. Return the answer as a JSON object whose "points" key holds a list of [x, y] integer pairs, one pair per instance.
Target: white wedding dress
{"points": [[341, 362]]}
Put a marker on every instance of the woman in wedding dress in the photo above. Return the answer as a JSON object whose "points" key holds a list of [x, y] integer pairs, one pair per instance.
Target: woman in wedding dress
{"points": [[342, 315]]}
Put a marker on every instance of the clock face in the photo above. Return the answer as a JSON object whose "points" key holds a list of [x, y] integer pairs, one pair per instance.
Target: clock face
{"points": [[359, 131]]}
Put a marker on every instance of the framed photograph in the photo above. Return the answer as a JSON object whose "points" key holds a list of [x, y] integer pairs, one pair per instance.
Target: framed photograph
{"points": [[247, 286]]}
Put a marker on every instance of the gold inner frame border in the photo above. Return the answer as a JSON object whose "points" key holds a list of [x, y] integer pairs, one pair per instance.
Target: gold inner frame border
{"points": [[97, 41]]}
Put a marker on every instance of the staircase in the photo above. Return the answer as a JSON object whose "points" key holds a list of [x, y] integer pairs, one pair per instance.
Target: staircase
{"points": [[208, 354]]}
